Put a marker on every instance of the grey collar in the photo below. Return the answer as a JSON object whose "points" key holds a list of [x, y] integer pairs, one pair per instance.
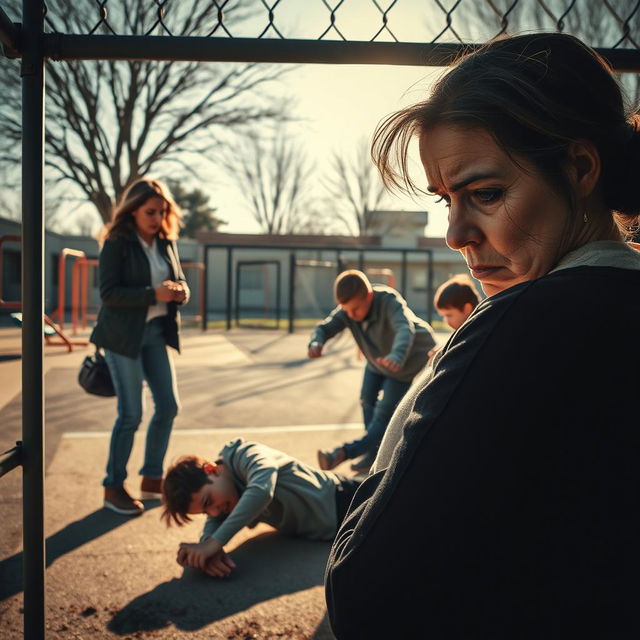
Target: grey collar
{"points": [[602, 253]]}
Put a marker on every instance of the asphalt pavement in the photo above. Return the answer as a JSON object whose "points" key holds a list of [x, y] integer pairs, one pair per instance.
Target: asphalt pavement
{"points": [[110, 576]]}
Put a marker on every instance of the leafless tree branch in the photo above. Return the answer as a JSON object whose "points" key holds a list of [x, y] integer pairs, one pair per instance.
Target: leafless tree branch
{"points": [[110, 122], [355, 188]]}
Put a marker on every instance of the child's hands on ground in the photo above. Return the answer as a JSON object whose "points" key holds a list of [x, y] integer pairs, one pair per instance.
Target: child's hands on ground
{"points": [[387, 362], [197, 554], [220, 565]]}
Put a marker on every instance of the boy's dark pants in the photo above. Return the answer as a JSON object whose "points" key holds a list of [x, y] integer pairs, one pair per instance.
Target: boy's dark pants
{"points": [[344, 494]]}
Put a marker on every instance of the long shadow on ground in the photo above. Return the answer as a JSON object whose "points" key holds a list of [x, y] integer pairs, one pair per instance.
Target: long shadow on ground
{"points": [[74, 535], [268, 566]]}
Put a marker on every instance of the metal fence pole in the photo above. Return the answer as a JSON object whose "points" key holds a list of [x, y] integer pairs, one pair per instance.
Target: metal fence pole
{"points": [[278, 292], [429, 286], [403, 275], [204, 287], [32, 314], [229, 285], [237, 296], [292, 291]]}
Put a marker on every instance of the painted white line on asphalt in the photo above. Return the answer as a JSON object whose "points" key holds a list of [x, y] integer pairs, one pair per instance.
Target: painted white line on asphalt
{"points": [[229, 432]]}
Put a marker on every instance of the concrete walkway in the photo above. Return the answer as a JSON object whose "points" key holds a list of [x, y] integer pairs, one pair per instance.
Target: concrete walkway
{"points": [[110, 576]]}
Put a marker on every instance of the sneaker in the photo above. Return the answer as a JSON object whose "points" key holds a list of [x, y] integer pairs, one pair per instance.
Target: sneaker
{"points": [[330, 459], [117, 499], [363, 464], [151, 488]]}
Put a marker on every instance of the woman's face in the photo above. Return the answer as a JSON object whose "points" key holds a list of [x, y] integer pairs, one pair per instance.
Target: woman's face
{"points": [[148, 217], [507, 222]]}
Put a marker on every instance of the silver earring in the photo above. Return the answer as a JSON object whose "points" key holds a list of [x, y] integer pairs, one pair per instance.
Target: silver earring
{"points": [[585, 218]]}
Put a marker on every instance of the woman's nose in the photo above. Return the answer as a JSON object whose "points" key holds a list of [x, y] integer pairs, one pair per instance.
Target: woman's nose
{"points": [[462, 230]]}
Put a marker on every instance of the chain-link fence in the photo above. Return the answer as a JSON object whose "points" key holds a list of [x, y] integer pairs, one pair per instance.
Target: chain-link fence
{"points": [[429, 32], [462, 21], [412, 32]]}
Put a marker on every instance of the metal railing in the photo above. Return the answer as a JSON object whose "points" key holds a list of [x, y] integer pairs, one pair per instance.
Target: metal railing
{"points": [[327, 31]]}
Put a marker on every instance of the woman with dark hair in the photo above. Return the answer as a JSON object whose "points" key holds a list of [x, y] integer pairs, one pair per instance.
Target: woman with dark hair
{"points": [[141, 286], [503, 502]]}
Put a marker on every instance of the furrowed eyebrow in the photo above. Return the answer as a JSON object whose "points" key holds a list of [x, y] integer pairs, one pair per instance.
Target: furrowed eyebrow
{"points": [[463, 183]]}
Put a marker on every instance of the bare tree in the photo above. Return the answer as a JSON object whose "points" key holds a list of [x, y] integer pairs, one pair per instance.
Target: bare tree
{"points": [[111, 122], [9, 207], [272, 177], [355, 188], [598, 23]]}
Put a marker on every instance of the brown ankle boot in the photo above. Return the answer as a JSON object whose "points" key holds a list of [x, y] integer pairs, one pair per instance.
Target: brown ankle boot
{"points": [[330, 459], [117, 499], [151, 488]]}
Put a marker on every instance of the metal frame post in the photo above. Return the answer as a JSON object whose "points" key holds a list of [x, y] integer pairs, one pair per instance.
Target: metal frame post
{"points": [[403, 275], [237, 297], [430, 285], [292, 291], [278, 292], [32, 314], [205, 293], [229, 285]]}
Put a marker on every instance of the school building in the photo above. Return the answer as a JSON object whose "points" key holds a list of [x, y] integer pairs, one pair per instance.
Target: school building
{"points": [[244, 279]]}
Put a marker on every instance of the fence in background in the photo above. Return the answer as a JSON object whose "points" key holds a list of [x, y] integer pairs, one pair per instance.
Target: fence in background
{"points": [[385, 32]]}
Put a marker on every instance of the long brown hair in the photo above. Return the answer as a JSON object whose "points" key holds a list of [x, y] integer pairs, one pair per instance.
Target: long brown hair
{"points": [[123, 223]]}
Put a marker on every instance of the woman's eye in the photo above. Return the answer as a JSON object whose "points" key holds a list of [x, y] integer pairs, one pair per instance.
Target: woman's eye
{"points": [[487, 196]]}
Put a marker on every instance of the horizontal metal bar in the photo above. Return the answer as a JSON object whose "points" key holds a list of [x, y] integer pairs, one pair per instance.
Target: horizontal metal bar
{"points": [[108, 47], [196, 48], [343, 249], [11, 459], [9, 36]]}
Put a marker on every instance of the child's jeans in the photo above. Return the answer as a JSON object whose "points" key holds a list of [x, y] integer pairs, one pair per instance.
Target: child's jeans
{"points": [[376, 412]]}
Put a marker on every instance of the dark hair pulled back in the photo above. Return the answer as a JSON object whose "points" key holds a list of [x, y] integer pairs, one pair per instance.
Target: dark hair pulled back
{"points": [[535, 94]]}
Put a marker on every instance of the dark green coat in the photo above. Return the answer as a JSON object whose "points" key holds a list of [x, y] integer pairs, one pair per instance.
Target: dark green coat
{"points": [[126, 294]]}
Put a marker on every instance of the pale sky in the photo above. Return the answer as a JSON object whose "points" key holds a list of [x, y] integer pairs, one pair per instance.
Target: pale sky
{"points": [[339, 105]]}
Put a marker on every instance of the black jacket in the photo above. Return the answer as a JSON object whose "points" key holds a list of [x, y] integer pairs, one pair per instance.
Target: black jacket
{"points": [[126, 294], [511, 506]]}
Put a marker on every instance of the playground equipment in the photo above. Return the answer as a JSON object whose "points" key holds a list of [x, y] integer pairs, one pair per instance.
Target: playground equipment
{"points": [[386, 273], [51, 329], [53, 325]]}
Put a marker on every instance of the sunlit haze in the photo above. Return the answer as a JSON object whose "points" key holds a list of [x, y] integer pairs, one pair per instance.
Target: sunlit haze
{"points": [[338, 105]]}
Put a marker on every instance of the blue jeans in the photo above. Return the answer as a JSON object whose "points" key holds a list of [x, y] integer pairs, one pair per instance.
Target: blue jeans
{"points": [[153, 365], [376, 411]]}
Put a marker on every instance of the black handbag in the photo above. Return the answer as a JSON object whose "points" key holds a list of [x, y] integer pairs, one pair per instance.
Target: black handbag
{"points": [[94, 376]]}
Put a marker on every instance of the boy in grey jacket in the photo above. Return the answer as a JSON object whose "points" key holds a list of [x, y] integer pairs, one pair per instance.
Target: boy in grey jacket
{"points": [[396, 345], [250, 483]]}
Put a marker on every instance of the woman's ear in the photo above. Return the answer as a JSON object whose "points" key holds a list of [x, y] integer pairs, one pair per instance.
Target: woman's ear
{"points": [[584, 167]]}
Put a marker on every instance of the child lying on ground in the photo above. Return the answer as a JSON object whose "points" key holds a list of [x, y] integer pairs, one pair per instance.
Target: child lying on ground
{"points": [[250, 483]]}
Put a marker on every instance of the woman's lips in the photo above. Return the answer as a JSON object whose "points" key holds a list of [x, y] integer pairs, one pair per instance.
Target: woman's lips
{"points": [[481, 271]]}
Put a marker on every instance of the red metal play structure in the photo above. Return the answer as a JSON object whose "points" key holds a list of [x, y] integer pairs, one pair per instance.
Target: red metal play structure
{"points": [[54, 332]]}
